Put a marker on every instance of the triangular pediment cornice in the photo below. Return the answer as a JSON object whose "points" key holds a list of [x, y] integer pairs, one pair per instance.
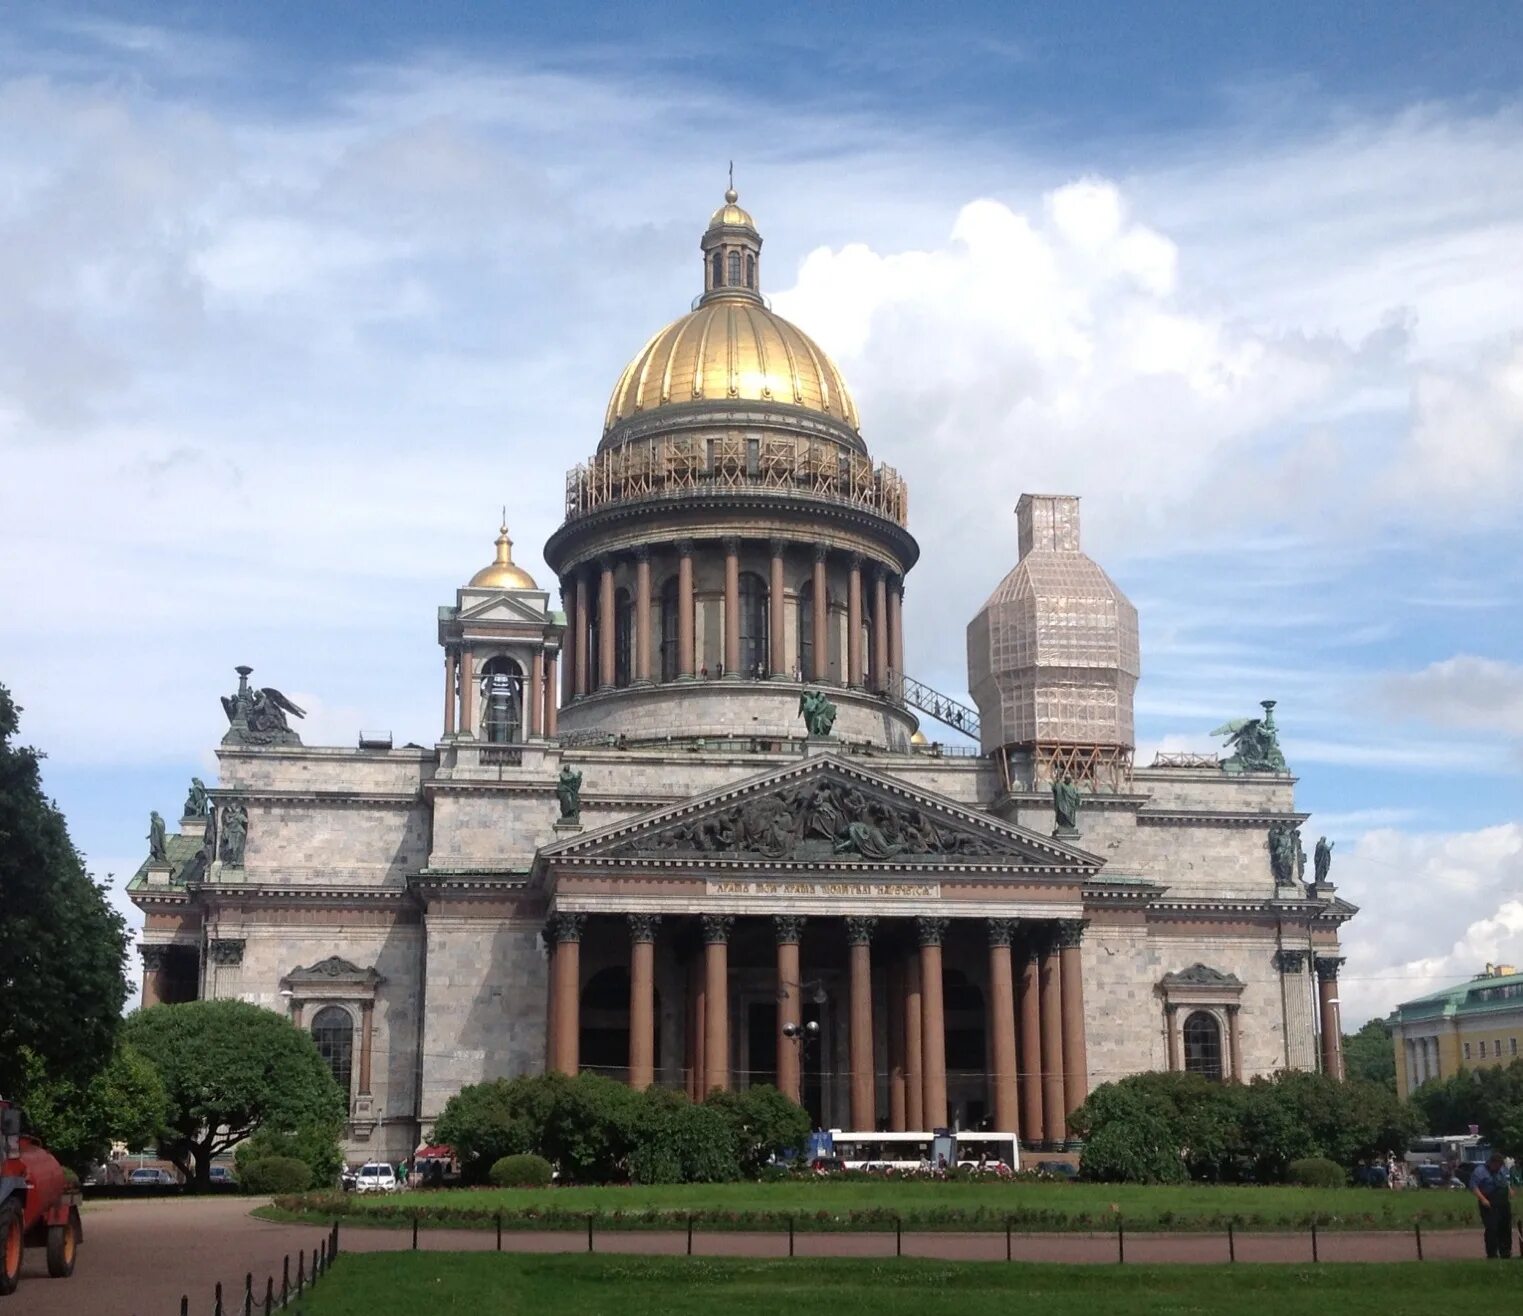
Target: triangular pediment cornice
{"points": [[826, 810], [504, 608]]}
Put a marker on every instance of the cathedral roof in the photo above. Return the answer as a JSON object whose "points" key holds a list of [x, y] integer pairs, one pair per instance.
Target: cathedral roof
{"points": [[503, 572]]}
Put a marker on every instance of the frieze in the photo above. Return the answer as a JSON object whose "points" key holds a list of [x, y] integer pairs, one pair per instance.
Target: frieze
{"points": [[839, 890]]}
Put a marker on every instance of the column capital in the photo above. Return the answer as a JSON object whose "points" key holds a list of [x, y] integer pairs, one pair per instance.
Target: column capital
{"points": [[859, 930], [154, 957], [777, 546], [930, 929], [560, 928], [1290, 961], [643, 927], [1001, 931], [1068, 933], [731, 544], [789, 928], [1328, 966], [876, 571], [226, 951], [821, 552], [854, 561], [641, 553], [608, 561], [716, 927], [684, 547]]}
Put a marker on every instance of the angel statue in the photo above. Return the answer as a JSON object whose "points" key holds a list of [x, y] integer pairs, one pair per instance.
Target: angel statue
{"points": [[818, 712], [258, 716], [1255, 743]]}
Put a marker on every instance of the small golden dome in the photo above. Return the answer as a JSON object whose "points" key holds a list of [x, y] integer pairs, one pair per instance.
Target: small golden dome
{"points": [[504, 573], [919, 739], [731, 215], [731, 349]]}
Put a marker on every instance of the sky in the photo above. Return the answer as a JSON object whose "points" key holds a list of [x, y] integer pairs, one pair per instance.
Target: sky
{"points": [[296, 297]]}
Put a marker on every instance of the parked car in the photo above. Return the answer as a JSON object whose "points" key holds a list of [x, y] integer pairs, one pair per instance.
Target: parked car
{"points": [[221, 1174], [1433, 1176], [376, 1177], [1057, 1170], [147, 1176]]}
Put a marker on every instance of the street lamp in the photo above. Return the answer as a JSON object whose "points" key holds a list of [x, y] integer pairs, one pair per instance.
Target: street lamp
{"points": [[802, 1032]]}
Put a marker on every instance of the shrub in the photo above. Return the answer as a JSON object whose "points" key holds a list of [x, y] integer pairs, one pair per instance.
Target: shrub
{"points": [[675, 1141], [316, 1145], [521, 1171], [1316, 1172], [276, 1174], [764, 1123]]}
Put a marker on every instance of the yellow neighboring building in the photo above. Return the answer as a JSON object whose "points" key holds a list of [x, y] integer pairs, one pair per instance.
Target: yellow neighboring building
{"points": [[1476, 1024]]}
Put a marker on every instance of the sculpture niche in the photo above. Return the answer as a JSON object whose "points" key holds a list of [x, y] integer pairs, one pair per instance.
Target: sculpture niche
{"points": [[1255, 743], [258, 716]]}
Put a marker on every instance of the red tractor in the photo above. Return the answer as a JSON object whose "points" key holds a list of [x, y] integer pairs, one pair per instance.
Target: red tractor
{"points": [[37, 1206]]}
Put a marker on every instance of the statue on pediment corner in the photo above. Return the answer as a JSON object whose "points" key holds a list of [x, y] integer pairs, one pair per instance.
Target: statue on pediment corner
{"points": [[158, 842], [1322, 859], [1255, 743], [258, 716], [818, 712], [197, 804]]}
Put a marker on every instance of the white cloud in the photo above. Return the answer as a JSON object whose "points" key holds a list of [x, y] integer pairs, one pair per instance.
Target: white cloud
{"points": [[1415, 889], [1460, 693]]}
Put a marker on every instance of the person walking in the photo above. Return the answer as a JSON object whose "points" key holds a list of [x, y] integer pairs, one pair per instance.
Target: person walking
{"points": [[1492, 1186]]}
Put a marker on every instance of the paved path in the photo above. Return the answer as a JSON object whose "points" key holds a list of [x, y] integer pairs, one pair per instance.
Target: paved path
{"points": [[139, 1257]]}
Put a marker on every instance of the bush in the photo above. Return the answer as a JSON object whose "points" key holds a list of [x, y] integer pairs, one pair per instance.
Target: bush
{"points": [[764, 1123], [315, 1145], [521, 1171], [1316, 1172], [276, 1174], [675, 1141]]}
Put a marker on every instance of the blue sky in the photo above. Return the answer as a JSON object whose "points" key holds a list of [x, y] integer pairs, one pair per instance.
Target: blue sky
{"points": [[299, 294]]}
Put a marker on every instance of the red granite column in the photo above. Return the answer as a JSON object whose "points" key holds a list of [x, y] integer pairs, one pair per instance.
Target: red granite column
{"points": [[583, 617], [716, 1002], [1002, 1025], [1075, 1051], [933, 1022], [568, 992], [1029, 1040], [1332, 1025], [695, 1026], [1054, 1126], [864, 1097], [534, 698], [642, 1000], [552, 1026], [732, 606], [777, 620], [552, 711], [568, 643], [880, 630], [685, 617], [642, 615], [896, 635], [154, 959], [820, 618], [468, 694], [896, 1105], [607, 639], [854, 622], [790, 930], [449, 692], [914, 1046]]}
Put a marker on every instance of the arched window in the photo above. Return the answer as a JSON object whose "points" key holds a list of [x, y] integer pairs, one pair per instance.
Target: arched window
{"points": [[718, 268], [805, 628], [1203, 1045], [733, 272], [750, 271], [753, 625], [502, 694], [623, 637], [333, 1032], [669, 655]]}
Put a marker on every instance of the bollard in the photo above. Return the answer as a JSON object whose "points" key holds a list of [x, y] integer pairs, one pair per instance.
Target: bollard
{"points": [[1231, 1243], [898, 1236], [185, 1304], [499, 1231], [790, 1236], [414, 1231], [248, 1293], [285, 1280], [314, 1265], [333, 1247], [1120, 1242], [1314, 1256], [217, 1301], [1007, 1238], [1417, 1228], [589, 1231], [301, 1271], [269, 1294], [690, 1233]]}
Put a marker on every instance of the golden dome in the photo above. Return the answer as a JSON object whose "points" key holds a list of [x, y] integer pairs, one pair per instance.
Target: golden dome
{"points": [[731, 214], [503, 573], [729, 350], [919, 739]]}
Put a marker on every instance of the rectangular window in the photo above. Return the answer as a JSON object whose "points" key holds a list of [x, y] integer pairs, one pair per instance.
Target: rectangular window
{"points": [[1482, 1045], [1467, 1050], [1512, 1046]]}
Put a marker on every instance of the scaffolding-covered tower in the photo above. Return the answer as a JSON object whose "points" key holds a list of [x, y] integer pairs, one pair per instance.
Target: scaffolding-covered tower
{"points": [[1053, 659]]}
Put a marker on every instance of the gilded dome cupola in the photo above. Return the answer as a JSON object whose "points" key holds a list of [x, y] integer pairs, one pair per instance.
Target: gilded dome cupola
{"points": [[731, 252]]}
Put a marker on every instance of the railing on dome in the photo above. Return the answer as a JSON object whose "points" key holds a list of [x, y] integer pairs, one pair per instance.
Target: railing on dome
{"points": [[645, 468]]}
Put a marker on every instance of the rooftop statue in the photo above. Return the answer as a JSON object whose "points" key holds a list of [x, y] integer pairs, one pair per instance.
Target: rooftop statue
{"points": [[1287, 857], [258, 716], [1322, 859], [235, 831], [818, 712], [196, 803], [1255, 743], [158, 844], [1065, 807], [568, 790]]}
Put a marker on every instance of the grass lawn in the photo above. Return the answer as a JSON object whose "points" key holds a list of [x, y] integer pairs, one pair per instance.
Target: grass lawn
{"points": [[441, 1283], [836, 1204]]}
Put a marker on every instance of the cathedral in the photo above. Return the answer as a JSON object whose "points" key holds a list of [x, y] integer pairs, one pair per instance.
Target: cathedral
{"points": [[683, 824]]}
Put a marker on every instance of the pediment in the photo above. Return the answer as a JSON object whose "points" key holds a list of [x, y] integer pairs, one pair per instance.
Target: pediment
{"points": [[1202, 975], [506, 608], [334, 969], [826, 810]]}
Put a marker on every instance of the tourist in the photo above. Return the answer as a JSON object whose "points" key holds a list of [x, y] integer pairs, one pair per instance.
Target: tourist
{"points": [[1492, 1187]]}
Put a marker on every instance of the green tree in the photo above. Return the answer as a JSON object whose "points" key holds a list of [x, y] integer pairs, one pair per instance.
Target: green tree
{"points": [[484, 1122], [315, 1145], [1130, 1136], [1370, 1054], [230, 1069], [764, 1123], [125, 1102], [62, 946]]}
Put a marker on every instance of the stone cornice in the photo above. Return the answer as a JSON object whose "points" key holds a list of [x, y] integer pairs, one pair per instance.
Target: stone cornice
{"points": [[286, 795], [1216, 817], [416, 754]]}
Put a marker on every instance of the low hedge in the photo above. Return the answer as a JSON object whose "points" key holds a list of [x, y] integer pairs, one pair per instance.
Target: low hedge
{"points": [[526, 1171], [277, 1174], [1316, 1172]]}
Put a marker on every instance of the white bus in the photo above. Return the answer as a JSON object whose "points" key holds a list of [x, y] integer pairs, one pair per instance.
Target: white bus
{"points": [[911, 1152]]}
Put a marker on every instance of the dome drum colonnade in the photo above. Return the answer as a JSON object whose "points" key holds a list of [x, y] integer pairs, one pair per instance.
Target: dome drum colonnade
{"points": [[731, 524], [1035, 1070]]}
